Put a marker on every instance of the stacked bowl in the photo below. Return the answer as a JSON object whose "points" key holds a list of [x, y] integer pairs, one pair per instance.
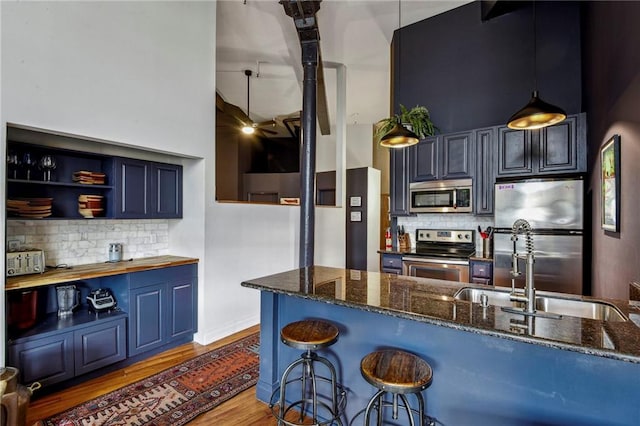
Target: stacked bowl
{"points": [[91, 205]]}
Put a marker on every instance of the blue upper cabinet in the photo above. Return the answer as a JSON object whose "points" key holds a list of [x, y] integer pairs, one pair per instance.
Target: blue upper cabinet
{"points": [[147, 190], [561, 148], [447, 156], [133, 188], [424, 160], [167, 187]]}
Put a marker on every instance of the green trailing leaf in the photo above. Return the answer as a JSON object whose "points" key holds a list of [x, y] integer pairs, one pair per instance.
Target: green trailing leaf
{"points": [[417, 117]]}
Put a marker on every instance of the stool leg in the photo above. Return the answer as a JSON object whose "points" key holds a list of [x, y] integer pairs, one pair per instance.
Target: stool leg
{"points": [[303, 404], [314, 392], [420, 408], [334, 383], [408, 408], [380, 409], [283, 383], [372, 401]]}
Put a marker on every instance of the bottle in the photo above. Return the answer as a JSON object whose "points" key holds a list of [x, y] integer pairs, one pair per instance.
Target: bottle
{"points": [[388, 245]]}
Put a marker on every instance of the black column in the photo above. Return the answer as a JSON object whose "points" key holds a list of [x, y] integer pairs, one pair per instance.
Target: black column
{"points": [[308, 153]]}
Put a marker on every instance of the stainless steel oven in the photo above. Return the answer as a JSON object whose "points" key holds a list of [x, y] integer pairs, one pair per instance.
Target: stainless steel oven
{"points": [[425, 267], [440, 254]]}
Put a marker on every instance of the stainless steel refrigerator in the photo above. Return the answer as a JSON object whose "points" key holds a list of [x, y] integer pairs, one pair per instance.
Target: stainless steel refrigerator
{"points": [[555, 210]]}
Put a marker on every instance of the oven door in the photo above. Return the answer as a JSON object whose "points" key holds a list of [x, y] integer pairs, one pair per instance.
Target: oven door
{"points": [[440, 269]]}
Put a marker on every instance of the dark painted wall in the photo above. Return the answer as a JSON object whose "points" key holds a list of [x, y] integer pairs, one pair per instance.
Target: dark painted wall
{"points": [[471, 74], [611, 70]]}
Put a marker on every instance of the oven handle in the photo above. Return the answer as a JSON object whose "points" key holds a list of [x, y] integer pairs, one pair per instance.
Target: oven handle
{"points": [[432, 260]]}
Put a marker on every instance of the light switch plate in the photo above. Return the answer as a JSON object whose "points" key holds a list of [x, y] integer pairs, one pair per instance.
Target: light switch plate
{"points": [[356, 216]]}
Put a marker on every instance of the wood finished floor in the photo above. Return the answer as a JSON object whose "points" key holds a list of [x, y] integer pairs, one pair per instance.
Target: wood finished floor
{"points": [[243, 409]]}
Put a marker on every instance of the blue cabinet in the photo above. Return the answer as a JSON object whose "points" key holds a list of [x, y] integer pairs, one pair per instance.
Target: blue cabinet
{"points": [[166, 184], [157, 310], [47, 360], [147, 318], [131, 188], [399, 182], [147, 190], [58, 355], [447, 156], [391, 263], [133, 183], [99, 345], [58, 183], [560, 148], [485, 175], [163, 308], [424, 160], [481, 271]]}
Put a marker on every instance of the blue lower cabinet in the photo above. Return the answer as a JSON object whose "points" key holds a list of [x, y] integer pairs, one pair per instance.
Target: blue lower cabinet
{"points": [[163, 308], [182, 309], [100, 345], [46, 360], [391, 263], [53, 357], [157, 310], [146, 318]]}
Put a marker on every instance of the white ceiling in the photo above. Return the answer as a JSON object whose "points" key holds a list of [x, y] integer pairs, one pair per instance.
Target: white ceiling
{"points": [[259, 36]]}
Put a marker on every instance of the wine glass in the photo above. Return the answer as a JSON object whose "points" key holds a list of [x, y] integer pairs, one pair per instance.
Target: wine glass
{"points": [[47, 163], [13, 163], [28, 161]]}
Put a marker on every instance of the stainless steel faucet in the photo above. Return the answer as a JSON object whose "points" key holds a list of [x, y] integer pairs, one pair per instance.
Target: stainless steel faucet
{"points": [[528, 294]]}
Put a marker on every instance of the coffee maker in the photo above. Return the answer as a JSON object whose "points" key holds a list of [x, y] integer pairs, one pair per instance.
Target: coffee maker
{"points": [[68, 299]]}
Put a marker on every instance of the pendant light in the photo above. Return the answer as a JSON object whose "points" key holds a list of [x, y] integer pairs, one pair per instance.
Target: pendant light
{"points": [[248, 129], [537, 113], [399, 136]]}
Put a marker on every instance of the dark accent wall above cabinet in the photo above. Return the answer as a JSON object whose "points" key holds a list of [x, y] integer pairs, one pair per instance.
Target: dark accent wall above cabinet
{"points": [[472, 74]]}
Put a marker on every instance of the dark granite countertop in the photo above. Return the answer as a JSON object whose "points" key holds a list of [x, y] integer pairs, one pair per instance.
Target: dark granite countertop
{"points": [[431, 301]]}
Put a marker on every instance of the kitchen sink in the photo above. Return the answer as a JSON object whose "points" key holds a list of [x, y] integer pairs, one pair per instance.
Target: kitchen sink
{"points": [[592, 309]]}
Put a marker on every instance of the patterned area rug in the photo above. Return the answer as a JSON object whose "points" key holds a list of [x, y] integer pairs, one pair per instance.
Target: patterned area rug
{"points": [[176, 395]]}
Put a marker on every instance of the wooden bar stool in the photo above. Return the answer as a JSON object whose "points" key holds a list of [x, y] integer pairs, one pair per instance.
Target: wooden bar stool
{"points": [[310, 335], [397, 373]]}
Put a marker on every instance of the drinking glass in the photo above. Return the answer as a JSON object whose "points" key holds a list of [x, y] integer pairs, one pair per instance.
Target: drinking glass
{"points": [[28, 162], [47, 163], [13, 164]]}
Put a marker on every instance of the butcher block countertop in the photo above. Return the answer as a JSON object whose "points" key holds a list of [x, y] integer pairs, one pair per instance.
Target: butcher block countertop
{"points": [[95, 270]]}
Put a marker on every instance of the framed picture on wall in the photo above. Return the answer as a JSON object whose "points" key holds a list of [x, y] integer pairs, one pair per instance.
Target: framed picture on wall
{"points": [[610, 184]]}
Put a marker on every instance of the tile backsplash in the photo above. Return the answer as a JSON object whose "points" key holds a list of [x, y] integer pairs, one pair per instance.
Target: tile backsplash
{"points": [[459, 221], [76, 242]]}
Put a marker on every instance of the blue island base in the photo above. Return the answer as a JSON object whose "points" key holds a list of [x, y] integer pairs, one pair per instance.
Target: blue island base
{"points": [[477, 379]]}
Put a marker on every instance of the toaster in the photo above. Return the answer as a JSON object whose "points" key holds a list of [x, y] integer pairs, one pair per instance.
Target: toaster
{"points": [[25, 261]]}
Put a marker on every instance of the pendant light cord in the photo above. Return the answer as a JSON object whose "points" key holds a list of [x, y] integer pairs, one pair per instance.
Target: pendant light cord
{"points": [[397, 77], [535, 50], [248, 74]]}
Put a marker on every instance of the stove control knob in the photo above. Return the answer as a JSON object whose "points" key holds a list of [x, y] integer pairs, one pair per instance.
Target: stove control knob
{"points": [[459, 236], [466, 236], [428, 235]]}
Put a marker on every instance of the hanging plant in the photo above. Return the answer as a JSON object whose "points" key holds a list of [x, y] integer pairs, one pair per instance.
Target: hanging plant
{"points": [[416, 119]]}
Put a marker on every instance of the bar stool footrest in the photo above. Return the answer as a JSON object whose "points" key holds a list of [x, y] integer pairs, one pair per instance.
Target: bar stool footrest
{"points": [[335, 417]]}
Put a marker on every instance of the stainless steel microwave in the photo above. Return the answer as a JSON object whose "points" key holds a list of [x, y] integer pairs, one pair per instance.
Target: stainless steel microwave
{"points": [[443, 196]]}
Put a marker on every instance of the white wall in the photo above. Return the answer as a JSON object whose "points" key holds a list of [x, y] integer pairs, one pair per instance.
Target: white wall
{"points": [[142, 74]]}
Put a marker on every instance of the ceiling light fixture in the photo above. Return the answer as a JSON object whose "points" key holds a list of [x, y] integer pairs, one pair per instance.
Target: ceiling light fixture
{"points": [[537, 113], [399, 136], [248, 129]]}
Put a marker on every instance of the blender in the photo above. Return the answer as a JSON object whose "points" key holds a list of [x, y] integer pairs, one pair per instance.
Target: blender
{"points": [[68, 299]]}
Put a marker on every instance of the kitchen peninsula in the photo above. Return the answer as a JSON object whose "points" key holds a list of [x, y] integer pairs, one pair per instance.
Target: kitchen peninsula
{"points": [[489, 367]]}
